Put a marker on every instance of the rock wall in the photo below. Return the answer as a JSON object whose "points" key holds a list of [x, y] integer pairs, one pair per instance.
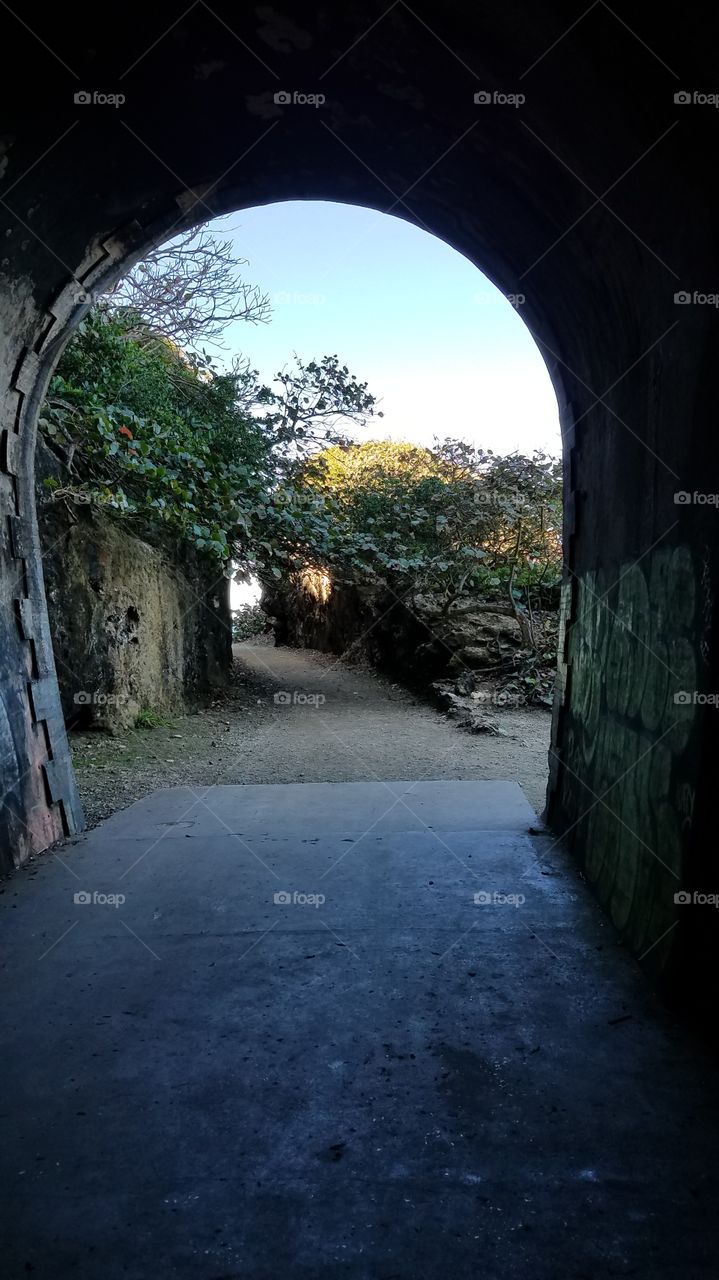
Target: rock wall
{"points": [[135, 626], [411, 636]]}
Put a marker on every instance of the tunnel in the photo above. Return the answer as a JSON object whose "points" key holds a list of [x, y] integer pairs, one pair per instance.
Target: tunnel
{"points": [[570, 155]]}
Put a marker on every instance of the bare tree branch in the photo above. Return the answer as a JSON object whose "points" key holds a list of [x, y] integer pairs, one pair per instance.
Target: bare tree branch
{"points": [[190, 289]]}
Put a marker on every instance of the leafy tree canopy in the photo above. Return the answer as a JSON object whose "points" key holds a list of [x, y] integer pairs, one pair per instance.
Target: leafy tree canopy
{"points": [[452, 519], [157, 435]]}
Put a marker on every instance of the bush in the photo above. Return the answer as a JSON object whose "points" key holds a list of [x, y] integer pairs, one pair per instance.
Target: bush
{"points": [[452, 520], [248, 621], [155, 434]]}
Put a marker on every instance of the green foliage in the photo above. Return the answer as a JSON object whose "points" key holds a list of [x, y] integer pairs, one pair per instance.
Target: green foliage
{"points": [[248, 621], [153, 434], [149, 719], [451, 519]]}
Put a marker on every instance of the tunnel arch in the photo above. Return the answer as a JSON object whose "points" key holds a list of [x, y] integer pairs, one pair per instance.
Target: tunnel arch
{"points": [[126, 246], [568, 190]]}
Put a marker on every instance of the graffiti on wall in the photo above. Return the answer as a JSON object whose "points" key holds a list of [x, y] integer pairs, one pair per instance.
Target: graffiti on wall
{"points": [[625, 793]]}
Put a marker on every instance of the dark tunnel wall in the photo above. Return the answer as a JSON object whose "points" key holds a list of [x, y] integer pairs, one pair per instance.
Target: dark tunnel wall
{"points": [[593, 198]]}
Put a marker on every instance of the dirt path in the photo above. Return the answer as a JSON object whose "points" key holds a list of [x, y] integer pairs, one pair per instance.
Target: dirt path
{"points": [[333, 723]]}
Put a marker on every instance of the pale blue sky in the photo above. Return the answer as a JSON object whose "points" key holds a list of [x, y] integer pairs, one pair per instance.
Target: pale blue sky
{"points": [[435, 340]]}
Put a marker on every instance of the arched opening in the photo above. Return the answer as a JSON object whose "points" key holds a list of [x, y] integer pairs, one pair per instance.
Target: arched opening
{"points": [[450, 360]]}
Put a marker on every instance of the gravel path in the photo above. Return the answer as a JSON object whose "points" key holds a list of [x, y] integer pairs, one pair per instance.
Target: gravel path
{"points": [[294, 715]]}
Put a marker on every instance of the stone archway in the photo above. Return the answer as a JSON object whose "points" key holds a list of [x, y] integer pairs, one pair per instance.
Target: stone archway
{"points": [[576, 197]]}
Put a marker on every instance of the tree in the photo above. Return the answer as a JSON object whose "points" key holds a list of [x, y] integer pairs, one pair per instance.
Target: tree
{"points": [[314, 399], [154, 434], [452, 520], [349, 467], [189, 290]]}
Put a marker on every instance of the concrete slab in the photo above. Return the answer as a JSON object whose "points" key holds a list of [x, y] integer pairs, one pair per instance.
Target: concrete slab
{"points": [[298, 807], [379, 1074]]}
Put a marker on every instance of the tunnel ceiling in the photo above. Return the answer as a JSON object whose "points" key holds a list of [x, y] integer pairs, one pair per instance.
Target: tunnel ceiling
{"points": [[199, 133]]}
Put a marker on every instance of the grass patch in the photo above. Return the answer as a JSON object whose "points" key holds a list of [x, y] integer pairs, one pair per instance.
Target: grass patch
{"points": [[149, 719]]}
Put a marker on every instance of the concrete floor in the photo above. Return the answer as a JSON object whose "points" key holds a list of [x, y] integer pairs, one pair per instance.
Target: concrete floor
{"points": [[395, 1083]]}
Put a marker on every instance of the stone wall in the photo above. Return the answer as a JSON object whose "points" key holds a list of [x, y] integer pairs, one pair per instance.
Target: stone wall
{"points": [[411, 636], [135, 626]]}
